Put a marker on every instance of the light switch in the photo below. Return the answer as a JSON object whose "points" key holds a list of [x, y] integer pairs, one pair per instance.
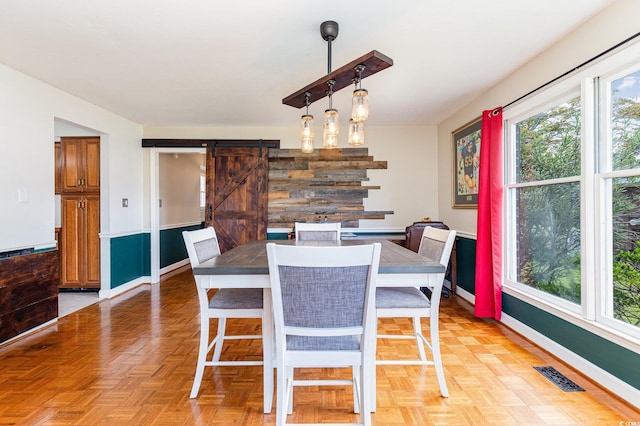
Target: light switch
{"points": [[23, 195], [125, 202]]}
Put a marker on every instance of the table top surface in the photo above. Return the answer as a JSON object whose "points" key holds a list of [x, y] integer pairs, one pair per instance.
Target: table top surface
{"points": [[251, 258]]}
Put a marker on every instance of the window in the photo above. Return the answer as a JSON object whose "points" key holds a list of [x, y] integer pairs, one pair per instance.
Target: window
{"points": [[572, 198], [544, 193], [620, 183]]}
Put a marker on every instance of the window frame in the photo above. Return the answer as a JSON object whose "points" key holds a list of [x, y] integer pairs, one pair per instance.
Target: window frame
{"points": [[595, 199], [546, 101], [604, 176]]}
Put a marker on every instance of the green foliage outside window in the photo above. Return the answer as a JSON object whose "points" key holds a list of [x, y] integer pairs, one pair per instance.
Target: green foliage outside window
{"points": [[625, 125], [626, 278], [548, 222]]}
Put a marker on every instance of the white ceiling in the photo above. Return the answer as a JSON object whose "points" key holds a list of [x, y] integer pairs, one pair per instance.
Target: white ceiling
{"points": [[230, 63]]}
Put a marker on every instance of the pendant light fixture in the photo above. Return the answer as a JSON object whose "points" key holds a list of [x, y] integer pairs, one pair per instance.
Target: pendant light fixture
{"points": [[360, 101], [306, 129], [331, 122], [363, 67], [356, 133]]}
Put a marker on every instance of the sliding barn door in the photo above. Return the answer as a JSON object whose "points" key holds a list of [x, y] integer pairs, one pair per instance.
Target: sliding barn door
{"points": [[237, 194]]}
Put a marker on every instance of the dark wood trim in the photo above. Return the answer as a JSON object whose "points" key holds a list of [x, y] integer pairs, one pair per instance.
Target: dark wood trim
{"points": [[28, 292], [203, 143], [373, 61]]}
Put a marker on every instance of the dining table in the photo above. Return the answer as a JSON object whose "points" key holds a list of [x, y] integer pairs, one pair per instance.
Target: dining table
{"points": [[246, 266]]}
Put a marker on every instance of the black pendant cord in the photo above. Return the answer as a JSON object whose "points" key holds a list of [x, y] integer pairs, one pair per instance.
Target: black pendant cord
{"points": [[330, 39], [598, 56]]}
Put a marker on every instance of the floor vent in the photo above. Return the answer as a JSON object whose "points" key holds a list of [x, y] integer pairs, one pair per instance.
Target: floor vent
{"points": [[559, 379]]}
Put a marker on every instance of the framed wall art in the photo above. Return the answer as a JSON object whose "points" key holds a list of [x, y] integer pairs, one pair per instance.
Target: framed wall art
{"points": [[466, 164]]}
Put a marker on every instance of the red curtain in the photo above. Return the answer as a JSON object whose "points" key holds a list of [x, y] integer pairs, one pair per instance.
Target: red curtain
{"points": [[488, 293]]}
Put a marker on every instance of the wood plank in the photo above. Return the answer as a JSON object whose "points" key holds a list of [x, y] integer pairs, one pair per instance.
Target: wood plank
{"points": [[373, 61], [329, 165], [319, 184], [28, 292]]}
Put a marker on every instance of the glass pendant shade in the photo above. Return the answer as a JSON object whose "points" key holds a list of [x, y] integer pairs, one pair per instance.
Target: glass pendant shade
{"points": [[306, 127], [360, 105], [331, 128], [306, 133], [330, 141], [307, 146], [356, 133]]}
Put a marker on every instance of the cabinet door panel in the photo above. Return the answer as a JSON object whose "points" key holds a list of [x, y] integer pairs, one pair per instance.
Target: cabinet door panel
{"points": [[58, 167], [92, 165], [72, 165], [71, 256], [80, 164], [92, 232]]}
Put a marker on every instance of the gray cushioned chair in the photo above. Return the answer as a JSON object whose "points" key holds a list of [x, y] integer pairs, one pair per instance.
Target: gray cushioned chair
{"points": [[322, 231], [202, 245], [324, 315], [401, 302]]}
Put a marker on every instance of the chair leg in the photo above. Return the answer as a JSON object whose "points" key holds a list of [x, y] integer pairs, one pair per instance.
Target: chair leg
{"points": [[222, 323], [417, 332], [289, 382], [357, 389], [202, 356], [437, 358], [281, 402], [364, 399]]}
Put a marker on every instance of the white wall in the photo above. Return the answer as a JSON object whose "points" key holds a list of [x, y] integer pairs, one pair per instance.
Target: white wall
{"points": [[28, 113], [179, 189], [408, 186], [605, 30]]}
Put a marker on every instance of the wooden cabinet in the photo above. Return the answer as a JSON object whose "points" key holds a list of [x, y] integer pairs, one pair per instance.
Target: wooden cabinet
{"points": [[58, 167], [80, 242], [28, 292], [80, 164]]}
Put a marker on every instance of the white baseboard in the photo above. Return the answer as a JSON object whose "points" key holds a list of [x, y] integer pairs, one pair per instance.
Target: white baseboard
{"points": [[174, 266], [108, 294], [471, 298], [602, 377]]}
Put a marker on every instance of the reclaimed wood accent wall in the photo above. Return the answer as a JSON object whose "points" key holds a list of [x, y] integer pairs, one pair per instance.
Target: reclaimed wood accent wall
{"points": [[323, 186], [28, 292]]}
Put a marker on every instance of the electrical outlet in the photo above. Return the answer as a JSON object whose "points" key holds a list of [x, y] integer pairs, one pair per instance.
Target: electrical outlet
{"points": [[125, 202]]}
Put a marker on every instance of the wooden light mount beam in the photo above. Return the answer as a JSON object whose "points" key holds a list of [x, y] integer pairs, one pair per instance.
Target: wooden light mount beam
{"points": [[373, 62]]}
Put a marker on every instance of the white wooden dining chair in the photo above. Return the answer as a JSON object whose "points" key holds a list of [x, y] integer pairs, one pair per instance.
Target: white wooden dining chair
{"points": [[410, 302], [202, 245], [324, 314], [320, 231]]}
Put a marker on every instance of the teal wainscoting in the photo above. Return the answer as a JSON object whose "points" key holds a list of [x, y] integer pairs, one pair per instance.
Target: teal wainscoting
{"points": [[172, 248], [613, 358], [130, 258], [277, 235], [466, 264], [620, 362]]}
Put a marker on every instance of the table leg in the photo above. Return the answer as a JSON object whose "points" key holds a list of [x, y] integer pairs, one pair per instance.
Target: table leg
{"points": [[267, 349]]}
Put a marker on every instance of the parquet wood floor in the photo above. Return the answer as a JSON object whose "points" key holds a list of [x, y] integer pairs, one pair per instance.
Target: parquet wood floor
{"points": [[130, 361]]}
